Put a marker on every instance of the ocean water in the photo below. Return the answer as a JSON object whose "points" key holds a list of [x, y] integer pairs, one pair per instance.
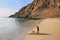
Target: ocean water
{"points": [[15, 29]]}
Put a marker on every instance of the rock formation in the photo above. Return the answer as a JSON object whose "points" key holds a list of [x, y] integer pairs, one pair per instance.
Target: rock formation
{"points": [[40, 9]]}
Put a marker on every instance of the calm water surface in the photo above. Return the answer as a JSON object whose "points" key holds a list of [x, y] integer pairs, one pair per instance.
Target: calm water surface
{"points": [[15, 29]]}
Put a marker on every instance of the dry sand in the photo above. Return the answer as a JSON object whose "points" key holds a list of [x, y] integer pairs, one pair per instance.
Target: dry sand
{"points": [[49, 29]]}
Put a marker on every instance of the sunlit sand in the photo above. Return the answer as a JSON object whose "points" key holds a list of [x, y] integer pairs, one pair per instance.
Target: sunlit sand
{"points": [[49, 30]]}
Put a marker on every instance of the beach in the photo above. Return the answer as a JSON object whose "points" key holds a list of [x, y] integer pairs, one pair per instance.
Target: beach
{"points": [[49, 30]]}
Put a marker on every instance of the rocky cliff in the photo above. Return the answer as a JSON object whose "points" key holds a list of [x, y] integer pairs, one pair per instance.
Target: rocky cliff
{"points": [[40, 9]]}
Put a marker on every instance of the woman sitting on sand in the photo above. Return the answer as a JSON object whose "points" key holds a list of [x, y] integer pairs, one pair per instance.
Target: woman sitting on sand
{"points": [[33, 32], [37, 30]]}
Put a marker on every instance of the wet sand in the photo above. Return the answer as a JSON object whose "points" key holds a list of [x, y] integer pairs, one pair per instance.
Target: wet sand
{"points": [[49, 30]]}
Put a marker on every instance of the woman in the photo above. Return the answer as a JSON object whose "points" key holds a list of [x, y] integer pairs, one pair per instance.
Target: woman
{"points": [[37, 29]]}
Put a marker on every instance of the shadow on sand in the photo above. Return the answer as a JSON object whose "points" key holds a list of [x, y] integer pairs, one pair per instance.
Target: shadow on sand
{"points": [[39, 34]]}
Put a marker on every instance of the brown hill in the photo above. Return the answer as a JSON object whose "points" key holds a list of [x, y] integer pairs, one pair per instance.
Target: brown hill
{"points": [[40, 9]]}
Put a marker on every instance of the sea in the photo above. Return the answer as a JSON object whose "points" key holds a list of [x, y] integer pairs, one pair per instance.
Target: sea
{"points": [[15, 28]]}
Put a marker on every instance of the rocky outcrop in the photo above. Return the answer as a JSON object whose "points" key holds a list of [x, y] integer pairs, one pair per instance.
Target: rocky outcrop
{"points": [[40, 9]]}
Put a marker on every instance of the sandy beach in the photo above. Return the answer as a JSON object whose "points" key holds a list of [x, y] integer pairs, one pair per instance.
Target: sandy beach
{"points": [[49, 30]]}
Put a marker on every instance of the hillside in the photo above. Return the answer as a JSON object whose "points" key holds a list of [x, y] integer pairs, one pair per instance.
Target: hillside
{"points": [[40, 9]]}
